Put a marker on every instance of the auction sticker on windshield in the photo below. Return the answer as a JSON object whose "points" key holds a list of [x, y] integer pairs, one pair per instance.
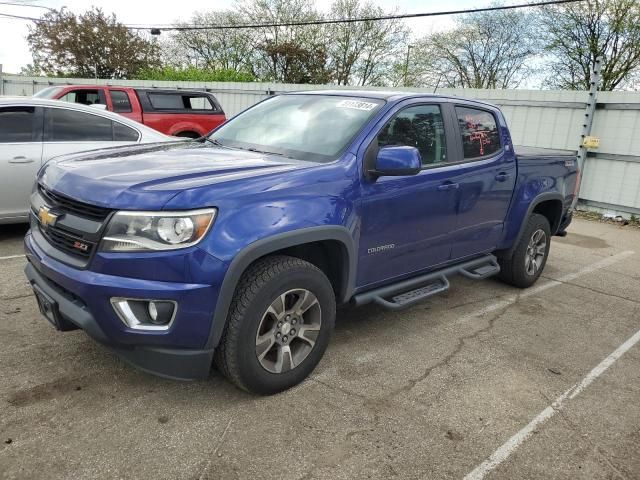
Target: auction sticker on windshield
{"points": [[357, 104]]}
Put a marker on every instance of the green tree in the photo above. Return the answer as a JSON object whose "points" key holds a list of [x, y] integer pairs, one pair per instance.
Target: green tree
{"points": [[194, 74], [578, 33], [92, 44], [227, 49]]}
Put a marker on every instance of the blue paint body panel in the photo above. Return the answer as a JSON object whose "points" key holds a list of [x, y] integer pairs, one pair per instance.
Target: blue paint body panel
{"points": [[397, 226]]}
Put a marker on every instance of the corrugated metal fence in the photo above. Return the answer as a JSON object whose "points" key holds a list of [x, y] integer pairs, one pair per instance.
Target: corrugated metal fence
{"points": [[552, 119]]}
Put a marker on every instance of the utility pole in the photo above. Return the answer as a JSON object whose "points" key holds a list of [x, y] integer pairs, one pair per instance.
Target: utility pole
{"points": [[590, 111], [406, 65]]}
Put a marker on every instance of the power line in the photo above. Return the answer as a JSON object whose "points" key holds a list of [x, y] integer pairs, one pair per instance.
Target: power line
{"points": [[20, 17], [364, 19], [15, 4], [326, 21]]}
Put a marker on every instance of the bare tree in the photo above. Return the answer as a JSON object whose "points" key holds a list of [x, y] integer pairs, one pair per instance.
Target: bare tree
{"points": [[363, 52], [271, 39], [576, 34], [228, 49], [483, 50]]}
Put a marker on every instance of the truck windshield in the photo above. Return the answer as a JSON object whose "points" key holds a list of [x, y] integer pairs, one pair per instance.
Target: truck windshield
{"points": [[48, 92], [307, 127]]}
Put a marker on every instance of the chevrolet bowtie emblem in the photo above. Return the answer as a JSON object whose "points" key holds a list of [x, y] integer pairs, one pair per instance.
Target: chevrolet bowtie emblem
{"points": [[47, 219]]}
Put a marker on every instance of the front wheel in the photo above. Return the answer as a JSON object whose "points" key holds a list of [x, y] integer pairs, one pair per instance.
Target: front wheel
{"points": [[525, 265], [278, 326]]}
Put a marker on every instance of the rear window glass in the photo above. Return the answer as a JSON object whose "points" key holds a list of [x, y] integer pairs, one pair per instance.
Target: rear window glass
{"points": [[199, 103], [49, 92], [173, 101], [479, 132], [120, 101], [163, 101]]}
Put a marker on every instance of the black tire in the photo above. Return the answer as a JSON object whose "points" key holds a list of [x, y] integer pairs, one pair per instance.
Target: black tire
{"points": [[513, 268], [261, 285]]}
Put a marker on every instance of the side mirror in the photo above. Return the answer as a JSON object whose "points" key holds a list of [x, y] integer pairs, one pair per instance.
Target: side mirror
{"points": [[397, 161]]}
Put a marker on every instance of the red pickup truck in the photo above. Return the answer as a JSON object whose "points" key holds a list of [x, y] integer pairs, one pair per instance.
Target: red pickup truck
{"points": [[181, 113]]}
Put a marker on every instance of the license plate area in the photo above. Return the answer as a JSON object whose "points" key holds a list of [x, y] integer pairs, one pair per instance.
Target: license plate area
{"points": [[48, 307]]}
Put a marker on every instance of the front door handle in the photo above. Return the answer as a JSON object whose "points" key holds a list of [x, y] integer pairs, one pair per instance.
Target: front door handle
{"points": [[21, 159], [502, 176], [448, 186]]}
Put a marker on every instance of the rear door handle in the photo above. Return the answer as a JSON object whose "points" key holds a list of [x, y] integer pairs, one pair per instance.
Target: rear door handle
{"points": [[21, 159], [448, 186], [502, 176]]}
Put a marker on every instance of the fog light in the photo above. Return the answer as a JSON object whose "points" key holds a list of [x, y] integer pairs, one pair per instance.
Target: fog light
{"points": [[160, 313], [153, 311], [145, 314]]}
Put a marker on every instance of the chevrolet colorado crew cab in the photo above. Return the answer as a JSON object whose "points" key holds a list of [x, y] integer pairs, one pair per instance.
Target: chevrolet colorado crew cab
{"points": [[179, 113], [236, 249]]}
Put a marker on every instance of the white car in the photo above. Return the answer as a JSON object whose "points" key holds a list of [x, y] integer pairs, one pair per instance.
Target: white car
{"points": [[33, 131]]}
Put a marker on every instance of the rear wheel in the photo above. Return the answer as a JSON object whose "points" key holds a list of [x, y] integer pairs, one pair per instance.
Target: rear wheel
{"points": [[188, 135], [529, 258], [278, 326]]}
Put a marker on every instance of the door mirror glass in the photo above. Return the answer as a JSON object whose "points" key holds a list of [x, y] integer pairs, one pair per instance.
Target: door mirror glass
{"points": [[397, 161]]}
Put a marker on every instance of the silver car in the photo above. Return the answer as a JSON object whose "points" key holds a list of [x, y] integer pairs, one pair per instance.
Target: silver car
{"points": [[33, 131]]}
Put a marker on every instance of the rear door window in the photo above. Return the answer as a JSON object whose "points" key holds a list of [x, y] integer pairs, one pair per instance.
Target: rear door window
{"points": [[479, 132], [64, 125], [120, 101], [17, 125]]}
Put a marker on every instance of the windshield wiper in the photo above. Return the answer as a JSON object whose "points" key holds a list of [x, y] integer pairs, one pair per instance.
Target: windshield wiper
{"points": [[255, 150], [214, 141]]}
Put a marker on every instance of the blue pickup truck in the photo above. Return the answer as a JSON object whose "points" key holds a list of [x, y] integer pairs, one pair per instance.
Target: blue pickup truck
{"points": [[235, 249]]}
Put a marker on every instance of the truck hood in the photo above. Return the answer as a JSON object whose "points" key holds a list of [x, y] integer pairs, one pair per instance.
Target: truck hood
{"points": [[148, 176]]}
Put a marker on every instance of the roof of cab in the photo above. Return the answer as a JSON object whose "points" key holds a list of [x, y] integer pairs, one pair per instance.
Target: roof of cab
{"points": [[388, 95]]}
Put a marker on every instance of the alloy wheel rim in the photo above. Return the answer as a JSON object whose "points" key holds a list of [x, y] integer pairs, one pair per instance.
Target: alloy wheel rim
{"points": [[288, 330], [536, 250]]}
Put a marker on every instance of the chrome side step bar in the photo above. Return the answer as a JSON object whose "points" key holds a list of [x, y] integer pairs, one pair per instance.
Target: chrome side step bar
{"points": [[413, 290]]}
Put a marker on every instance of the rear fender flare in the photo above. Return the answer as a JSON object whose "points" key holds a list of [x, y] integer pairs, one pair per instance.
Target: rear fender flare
{"points": [[272, 244], [536, 201]]}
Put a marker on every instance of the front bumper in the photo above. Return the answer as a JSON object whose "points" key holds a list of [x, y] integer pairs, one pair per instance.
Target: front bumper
{"points": [[83, 299]]}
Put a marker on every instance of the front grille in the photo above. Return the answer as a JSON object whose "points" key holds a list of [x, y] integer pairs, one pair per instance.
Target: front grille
{"points": [[68, 242], [69, 205]]}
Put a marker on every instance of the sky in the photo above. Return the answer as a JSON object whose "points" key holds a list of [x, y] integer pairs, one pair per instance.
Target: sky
{"points": [[14, 50]]}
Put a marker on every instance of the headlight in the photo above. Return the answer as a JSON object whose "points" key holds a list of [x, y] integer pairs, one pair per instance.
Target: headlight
{"points": [[152, 231]]}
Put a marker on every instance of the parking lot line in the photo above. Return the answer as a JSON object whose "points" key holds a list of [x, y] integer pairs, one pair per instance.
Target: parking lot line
{"points": [[506, 449], [11, 256], [605, 262]]}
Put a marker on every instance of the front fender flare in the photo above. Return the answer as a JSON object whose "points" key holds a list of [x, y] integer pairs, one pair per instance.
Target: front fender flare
{"points": [[268, 245]]}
